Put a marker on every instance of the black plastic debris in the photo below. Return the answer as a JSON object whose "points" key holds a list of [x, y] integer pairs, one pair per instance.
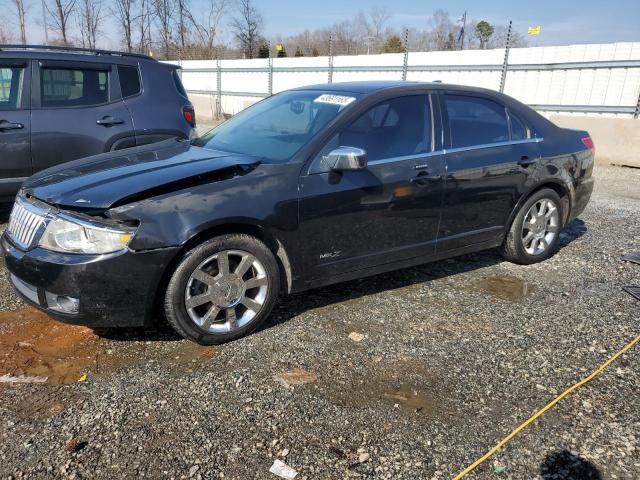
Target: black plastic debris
{"points": [[633, 290], [633, 257]]}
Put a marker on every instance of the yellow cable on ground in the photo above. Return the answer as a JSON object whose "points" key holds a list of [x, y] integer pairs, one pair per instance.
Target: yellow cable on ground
{"points": [[533, 417]]}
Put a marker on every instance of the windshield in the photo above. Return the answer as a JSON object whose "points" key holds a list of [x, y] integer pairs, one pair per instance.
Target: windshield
{"points": [[277, 127]]}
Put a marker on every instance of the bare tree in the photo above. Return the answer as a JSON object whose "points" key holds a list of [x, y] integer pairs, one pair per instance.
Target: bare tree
{"points": [[207, 29], [5, 36], [21, 13], [183, 14], [123, 11], [90, 19], [247, 27], [143, 19], [442, 32], [164, 10], [60, 14], [376, 24]]}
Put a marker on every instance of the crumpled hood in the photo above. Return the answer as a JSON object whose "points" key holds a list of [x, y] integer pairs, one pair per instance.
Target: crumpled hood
{"points": [[104, 180]]}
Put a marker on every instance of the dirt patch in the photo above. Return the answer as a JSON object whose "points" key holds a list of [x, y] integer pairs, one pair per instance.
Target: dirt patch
{"points": [[34, 346], [506, 287], [297, 376]]}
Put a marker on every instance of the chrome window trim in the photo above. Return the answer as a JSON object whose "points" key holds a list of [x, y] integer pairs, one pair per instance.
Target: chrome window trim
{"points": [[415, 156], [12, 180], [494, 144], [444, 151]]}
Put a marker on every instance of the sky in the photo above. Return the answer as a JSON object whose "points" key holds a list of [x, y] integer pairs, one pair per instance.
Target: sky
{"points": [[563, 22]]}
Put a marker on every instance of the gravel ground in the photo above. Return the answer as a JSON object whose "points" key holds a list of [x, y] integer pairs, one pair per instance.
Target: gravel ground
{"points": [[406, 375]]}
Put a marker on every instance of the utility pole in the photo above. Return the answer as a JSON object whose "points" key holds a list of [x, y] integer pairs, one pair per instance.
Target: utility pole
{"points": [[44, 22]]}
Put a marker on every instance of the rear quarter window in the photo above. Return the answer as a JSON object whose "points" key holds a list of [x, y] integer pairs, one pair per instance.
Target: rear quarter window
{"points": [[129, 81], [178, 83], [519, 130]]}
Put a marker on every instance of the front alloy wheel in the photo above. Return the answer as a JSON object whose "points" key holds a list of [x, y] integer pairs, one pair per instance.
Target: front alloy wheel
{"points": [[222, 289], [226, 291]]}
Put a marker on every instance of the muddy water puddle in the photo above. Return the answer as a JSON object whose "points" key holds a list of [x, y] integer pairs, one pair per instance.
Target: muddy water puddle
{"points": [[506, 287], [406, 384], [34, 347]]}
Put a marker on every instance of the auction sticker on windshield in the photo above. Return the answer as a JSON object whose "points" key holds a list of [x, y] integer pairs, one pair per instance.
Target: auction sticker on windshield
{"points": [[334, 99]]}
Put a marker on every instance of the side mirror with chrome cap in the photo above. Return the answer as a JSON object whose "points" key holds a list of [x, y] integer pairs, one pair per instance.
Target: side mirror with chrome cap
{"points": [[347, 158]]}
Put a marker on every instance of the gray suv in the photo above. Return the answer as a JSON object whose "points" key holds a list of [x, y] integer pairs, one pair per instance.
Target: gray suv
{"points": [[59, 104]]}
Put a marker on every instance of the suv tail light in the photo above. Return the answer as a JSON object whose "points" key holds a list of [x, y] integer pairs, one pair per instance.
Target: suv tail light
{"points": [[189, 116], [588, 142]]}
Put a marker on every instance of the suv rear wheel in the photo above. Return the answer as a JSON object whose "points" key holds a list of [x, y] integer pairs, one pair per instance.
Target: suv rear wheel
{"points": [[222, 289], [534, 235]]}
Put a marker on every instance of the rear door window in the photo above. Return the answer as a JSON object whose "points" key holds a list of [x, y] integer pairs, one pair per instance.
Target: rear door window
{"points": [[129, 81], [11, 83], [67, 87], [475, 121]]}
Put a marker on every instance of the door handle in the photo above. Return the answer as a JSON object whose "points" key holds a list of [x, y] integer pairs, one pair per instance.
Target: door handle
{"points": [[525, 161], [424, 179], [4, 125], [109, 121]]}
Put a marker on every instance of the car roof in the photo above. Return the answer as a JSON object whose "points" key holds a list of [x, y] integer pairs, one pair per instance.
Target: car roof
{"points": [[368, 87], [51, 52]]}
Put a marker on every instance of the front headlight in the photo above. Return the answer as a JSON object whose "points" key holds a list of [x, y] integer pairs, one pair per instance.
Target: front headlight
{"points": [[71, 236]]}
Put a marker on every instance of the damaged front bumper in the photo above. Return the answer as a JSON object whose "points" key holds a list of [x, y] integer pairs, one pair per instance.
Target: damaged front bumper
{"points": [[111, 290]]}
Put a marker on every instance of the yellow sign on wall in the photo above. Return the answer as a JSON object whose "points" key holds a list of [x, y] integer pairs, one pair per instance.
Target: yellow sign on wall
{"points": [[534, 30]]}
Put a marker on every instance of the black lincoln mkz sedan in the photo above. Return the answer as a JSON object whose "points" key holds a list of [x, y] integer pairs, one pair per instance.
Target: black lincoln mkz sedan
{"points": [[309, 187]]}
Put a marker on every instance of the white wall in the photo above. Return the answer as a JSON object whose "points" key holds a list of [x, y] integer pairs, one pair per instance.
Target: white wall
{"points": [[591, 86]]}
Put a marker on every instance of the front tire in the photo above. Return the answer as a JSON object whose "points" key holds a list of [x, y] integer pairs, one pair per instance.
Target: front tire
{"points": [[534, 235], [222, 289]]}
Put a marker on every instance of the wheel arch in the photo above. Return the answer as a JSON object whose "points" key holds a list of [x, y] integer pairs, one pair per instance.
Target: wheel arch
{"points": [[563, 191], [257, 231]]}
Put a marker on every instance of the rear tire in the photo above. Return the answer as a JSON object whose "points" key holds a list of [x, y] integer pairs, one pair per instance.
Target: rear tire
{"points": [[222, 289], [534, 235]]}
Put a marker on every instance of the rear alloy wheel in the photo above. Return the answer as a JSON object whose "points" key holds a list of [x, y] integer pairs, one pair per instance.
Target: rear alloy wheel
{"points": [[535, 232], [222, 290], [540, 227]]}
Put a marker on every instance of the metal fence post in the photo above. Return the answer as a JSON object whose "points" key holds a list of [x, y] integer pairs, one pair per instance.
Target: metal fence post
{"points": [[406, 55], [637, 112], [218, 86], [505, 65], [270, 90], [330, 58]]}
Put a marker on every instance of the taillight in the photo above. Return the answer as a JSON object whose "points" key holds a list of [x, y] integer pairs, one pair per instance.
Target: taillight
{"points": [[588, 142], [189, 115]]}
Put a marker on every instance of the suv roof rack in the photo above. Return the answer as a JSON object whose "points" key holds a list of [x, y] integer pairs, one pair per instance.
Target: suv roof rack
{"points": [[86, 51]]}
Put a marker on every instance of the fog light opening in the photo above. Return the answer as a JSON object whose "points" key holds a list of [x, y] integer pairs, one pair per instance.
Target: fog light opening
{"points": [[62, 303]]}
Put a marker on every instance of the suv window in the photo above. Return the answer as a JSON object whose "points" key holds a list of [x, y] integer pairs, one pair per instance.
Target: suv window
{"points": [[475, 121], [395, 128], [11, 87], [518, 129], [74, 87], [129, 81]]}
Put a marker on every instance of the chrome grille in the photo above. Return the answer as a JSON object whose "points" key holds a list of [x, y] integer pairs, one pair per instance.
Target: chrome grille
{"points": [[24, 223]]}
